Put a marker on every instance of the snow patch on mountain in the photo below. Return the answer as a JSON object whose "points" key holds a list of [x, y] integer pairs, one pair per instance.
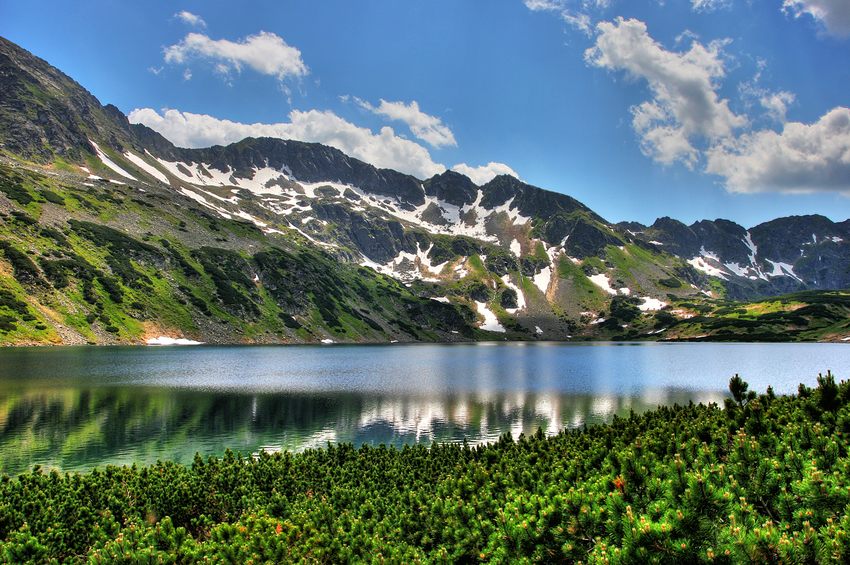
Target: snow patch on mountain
{"points": [[165, 340], [543, 279], [513, 213], [700, 264], [408, 266], [651, 304], [146, 167], [491, 322], [515, 247], [708, 254], [602, 281], [520, 297], [285, 195], [748, 241], [203, 201], [781, 269], [110, 163], [737, 269]]}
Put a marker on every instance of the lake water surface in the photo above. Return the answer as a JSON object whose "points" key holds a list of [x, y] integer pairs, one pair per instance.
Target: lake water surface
{"points": [[77, 407]]}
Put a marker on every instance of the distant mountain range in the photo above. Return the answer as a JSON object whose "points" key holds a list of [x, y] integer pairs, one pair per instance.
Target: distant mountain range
{"points": [[110, 233]]}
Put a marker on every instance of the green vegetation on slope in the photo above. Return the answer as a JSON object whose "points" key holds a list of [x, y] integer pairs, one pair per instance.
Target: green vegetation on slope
{"points": [[766, 479], [801, 316], [108, 264]]}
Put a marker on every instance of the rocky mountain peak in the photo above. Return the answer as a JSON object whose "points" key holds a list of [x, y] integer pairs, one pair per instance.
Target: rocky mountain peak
{"points": [[46, 114], [452, 187]]}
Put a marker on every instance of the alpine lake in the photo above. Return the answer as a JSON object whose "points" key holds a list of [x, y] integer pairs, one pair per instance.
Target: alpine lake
{"points": [[75, 408]]}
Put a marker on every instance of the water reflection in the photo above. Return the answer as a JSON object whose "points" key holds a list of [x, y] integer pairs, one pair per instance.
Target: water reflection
{"points": [[74, 408], [72, 428]]}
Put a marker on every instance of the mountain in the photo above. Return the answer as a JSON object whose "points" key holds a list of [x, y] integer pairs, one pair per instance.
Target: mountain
{"points": [[109, 233]]}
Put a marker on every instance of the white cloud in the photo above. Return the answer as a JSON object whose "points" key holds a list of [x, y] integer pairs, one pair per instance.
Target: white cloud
{"points": [[776, 104], [429, 129], [574, 13], [579, 20], [685, 104], [833, 14], [193, 20], [383, 149], [801, 158], [187, 74], [264, 52], [483, 174], [543, 5], [709, 5]]}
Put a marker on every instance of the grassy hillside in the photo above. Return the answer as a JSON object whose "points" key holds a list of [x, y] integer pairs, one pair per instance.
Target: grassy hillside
{"points": [[96, 261], [767, 479], [802, 316], [102, 262]]}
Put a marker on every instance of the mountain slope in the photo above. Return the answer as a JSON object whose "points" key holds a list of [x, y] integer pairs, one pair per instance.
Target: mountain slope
{"points": [[108, 232]]}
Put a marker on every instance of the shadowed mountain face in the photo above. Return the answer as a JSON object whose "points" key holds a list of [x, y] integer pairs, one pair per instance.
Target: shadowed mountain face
{"points": [[111, 233]]}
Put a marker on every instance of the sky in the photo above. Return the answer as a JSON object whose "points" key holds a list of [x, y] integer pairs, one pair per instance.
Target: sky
{"points": [[692, 109]]}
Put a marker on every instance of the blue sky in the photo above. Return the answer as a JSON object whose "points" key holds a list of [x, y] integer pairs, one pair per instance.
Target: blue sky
{"points": [[641, 108]]}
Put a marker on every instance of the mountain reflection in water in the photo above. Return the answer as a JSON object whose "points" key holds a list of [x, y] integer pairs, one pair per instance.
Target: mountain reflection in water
{"points": [[71, 428], [74, 408]]}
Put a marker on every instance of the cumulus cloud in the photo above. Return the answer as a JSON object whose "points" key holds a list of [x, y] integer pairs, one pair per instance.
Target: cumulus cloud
{"points": [[191, 19], [429, 129], [265, 52], [685, 105], [834, 15], [685, 120], [800, 158], [383, 149], [483, 174]]}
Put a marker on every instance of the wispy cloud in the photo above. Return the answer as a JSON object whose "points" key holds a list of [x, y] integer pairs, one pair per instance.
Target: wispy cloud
{"points": [[191, 19], [710, 5], [575, 13]]}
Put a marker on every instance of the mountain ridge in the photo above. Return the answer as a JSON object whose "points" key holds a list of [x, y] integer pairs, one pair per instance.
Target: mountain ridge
{"points": [[509, 259]]}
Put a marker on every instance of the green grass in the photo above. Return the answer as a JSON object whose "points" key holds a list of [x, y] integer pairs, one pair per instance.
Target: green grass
{"points": [[476, 266], [583, 285]]}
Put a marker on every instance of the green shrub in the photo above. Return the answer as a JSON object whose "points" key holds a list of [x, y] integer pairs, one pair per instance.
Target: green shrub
{"points": [[765, 480], [24, 268]]}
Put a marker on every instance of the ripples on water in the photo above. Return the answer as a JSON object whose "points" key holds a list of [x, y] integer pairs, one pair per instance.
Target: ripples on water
{"points": [[74, 408]]}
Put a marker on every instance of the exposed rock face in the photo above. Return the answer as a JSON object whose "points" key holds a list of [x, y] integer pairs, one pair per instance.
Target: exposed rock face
{"points": [[308, 162], [452, 187], [779, 256], [45, 113]]}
